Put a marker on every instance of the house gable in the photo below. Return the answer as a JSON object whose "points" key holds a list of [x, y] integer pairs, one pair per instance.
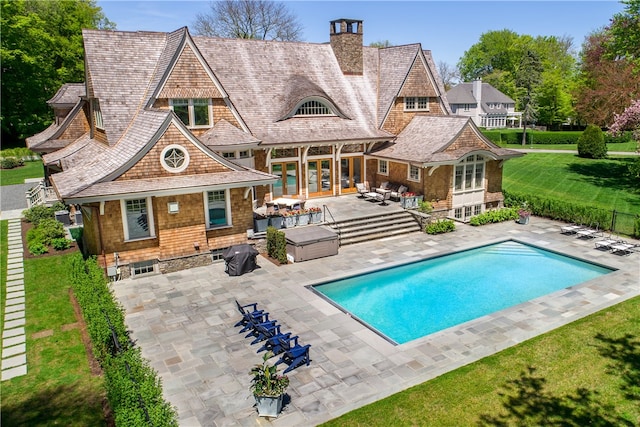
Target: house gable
{"points": [[189, 79], [150, 165], [418, 82]]}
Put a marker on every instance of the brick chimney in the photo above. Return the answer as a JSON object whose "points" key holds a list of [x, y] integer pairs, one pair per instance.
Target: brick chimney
{"points": [[345, 37]]}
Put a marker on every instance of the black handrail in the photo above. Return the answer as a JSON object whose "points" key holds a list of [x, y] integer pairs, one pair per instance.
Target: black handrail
{"points": [[326, 211]]}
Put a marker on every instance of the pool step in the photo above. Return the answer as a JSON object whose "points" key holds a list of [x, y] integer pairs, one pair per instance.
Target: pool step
{"points": [[373, 227]]}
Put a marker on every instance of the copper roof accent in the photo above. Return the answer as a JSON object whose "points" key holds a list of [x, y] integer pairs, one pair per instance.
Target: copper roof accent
{"points": [[427, 139], [225, 135]]}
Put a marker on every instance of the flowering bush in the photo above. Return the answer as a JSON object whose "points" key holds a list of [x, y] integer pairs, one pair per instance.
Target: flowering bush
{"points": [[628, 120], [524, 213], [266, 381]]}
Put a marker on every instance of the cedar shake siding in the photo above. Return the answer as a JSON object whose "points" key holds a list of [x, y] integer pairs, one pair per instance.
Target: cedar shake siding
{"points": [[270, 105]]}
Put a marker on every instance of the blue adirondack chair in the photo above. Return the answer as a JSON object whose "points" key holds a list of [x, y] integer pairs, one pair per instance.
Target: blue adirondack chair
{"points": [[278, 343], [296, 356], [248, 314]]}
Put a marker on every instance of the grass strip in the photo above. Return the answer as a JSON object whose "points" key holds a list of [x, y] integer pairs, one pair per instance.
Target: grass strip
{"points": [[58, 388], [584, 373]]}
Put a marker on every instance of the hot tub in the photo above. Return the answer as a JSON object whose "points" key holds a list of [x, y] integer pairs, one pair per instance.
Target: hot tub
{"points": [[305, 243]]}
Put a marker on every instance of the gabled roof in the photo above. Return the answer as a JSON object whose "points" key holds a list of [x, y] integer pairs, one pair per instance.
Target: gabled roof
{"points": [[68, 95], [395, 64], [225, 135], [463, 94], [48, 139], [427, 138]]}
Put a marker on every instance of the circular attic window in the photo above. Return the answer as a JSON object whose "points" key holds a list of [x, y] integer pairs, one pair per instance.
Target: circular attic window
{"points": [[174, 158]]}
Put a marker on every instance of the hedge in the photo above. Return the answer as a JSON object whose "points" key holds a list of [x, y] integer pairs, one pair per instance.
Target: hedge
{"points": [[134, 389], [502, 137], [277, 245], [493, 216]]}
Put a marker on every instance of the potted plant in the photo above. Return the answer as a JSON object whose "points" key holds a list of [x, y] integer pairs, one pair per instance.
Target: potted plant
{"points": [[315, 214], [268, 387], [275, 220], [260, 223], [303, 217], [523, 215], [288, 219]]}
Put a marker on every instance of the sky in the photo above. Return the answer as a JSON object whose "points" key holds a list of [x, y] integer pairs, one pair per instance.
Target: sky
{"points": [[447, 28]]}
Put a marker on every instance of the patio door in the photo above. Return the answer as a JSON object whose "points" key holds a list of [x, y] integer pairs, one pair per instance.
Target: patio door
{"points": [[351, 172], [319, 177], [287, 184]]}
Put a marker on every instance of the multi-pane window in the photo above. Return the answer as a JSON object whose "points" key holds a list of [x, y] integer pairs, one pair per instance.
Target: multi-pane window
{"points": [[217, 208], [229, 155], [313, 108], [97, 114], [469, 174], [466, 107], [193, 112], [138, 219], [142, 267], [320, 151], [416, 103], [383, 167], [284, 153], [414, 173]]}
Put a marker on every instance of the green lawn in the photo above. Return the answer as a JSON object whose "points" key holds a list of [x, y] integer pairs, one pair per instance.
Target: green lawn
{"points": [[18, 175], [58, 388], [585, 373], [598, 183], [629, 147]]}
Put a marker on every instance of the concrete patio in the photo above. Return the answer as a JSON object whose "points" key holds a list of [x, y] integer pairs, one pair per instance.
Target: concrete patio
{"points": [[183, 323]]}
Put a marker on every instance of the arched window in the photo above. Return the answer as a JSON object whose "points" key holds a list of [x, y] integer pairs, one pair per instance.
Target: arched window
{"points": [[313, 108]]}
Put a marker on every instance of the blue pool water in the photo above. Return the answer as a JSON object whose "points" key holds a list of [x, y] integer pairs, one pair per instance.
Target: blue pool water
{"points": [[410, 301]]}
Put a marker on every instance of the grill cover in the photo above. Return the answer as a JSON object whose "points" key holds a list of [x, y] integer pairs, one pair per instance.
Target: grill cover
{"points": [[240, 259]]}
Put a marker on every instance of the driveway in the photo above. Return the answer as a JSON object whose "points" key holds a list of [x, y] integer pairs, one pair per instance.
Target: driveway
{"points": [[184, 324]]}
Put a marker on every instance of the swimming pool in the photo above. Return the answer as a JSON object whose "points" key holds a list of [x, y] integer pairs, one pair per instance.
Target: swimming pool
{"points": [[410, 301]]}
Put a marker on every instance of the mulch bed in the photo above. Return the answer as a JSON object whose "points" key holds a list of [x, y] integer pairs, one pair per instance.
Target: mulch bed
{"points": [[26, 226]]}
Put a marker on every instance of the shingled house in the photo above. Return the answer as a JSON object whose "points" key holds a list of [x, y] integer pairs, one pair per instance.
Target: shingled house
{"points": [[174, 139]]}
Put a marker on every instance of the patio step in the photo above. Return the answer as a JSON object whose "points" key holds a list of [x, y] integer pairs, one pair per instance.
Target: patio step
{"points": [[373, 227]]}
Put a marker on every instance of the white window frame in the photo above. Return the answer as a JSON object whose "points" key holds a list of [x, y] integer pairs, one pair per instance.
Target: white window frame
{"points": [[170, 168], [383, 167], [227, 199], [192, 114], [150, 223], [137, 267], [467, 170], [414, 177], [411, 103]]}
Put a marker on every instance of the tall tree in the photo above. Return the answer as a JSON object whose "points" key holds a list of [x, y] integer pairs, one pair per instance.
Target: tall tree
{"points": [[527, 78], [249, 19], [41, 48]]}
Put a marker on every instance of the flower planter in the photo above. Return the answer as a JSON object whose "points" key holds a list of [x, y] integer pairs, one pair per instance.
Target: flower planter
{"points": [[303, 219], [269, 406], [260, 225], [315, 217], [289, 221], [523, 220], [410, 202], [275, 222]]}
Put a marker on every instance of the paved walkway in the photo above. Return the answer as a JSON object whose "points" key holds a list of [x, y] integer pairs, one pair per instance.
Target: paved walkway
{"points": [[14, 352], [183, 323]]}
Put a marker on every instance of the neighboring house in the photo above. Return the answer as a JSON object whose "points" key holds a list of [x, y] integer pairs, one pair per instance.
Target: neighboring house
{"points": [[175, 138], [487, 106]]}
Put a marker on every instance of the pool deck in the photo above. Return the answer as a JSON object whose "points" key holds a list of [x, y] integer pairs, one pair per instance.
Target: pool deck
{"points": [[183, 323]]}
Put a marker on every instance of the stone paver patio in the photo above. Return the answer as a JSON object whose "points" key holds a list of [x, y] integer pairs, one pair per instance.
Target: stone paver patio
{"points": [[184, 321]]}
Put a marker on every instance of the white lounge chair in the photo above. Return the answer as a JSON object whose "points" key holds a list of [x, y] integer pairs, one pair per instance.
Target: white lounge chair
{"points": [[623, 247], [606, 243], [589, 233], [571, 229]]}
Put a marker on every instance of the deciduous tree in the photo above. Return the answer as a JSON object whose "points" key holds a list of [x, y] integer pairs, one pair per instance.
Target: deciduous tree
{"points": [[249, 19], [41, 48]]}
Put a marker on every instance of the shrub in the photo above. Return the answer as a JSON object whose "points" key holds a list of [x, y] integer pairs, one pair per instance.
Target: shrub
{"points": [[591, 143], [39, 212], [10, 162], [424, 206], [133, 387], [499, 215], [60, 244], [440, 226], [37, 248], [277, 245], [50, 229]]}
